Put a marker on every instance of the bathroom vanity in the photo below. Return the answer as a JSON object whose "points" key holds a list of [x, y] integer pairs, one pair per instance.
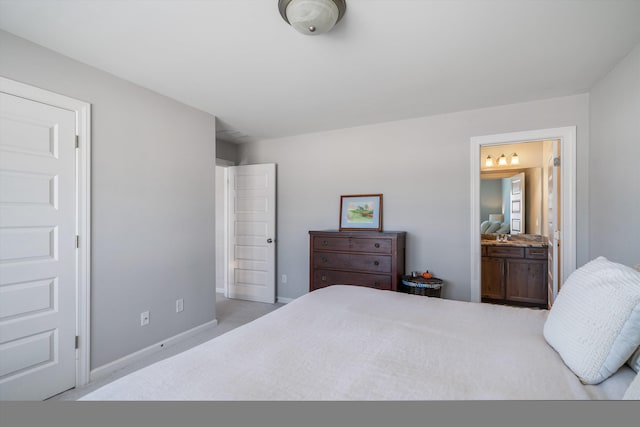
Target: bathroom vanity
{"points": [[515, 271]]}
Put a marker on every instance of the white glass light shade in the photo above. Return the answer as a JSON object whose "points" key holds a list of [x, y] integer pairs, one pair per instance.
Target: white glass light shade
{"points": [[312, 17], [488, 162], [502, 161], [515, 160]]}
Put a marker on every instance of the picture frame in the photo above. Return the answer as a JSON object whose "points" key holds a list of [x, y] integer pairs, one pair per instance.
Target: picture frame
{"points": [[515, 206], [515, 225], [361, 212]]}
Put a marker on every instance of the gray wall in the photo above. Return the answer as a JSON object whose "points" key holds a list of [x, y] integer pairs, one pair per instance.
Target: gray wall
{"points": [[422, 168], [152, 201], [614, 171], [227, 151]]}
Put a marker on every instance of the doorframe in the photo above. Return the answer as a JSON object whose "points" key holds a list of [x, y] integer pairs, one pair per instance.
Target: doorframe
{"points": [[225, 164], [82, 111], [568, 177]]}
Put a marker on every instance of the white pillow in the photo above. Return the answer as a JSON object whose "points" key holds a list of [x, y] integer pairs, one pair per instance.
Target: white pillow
{"points": [[594, 323], [493, 226], [633, 392], [504, 228], [634, 360]]}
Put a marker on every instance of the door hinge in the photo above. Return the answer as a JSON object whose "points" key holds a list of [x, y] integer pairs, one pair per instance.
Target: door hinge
{"points": [[77, 241], [77, 141], [556, 161], [77, 341]]}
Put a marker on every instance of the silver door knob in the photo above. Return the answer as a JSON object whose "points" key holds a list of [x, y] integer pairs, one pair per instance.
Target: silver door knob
{"points": [[269, 240]]}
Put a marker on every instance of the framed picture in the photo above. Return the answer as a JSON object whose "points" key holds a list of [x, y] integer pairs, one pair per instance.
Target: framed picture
{"points": [[515, 206], [515, 225], [361, 212]]}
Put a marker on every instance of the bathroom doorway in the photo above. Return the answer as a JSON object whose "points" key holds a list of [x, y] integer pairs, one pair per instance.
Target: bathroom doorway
{"points": [[562, 235]]}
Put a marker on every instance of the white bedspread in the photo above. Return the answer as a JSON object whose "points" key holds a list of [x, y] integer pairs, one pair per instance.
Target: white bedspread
{"points": [[354, 343]]}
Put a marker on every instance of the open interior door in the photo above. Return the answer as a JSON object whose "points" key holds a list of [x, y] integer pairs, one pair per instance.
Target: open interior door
{"points": [[252, 232], [517, 204], [553, 221]]}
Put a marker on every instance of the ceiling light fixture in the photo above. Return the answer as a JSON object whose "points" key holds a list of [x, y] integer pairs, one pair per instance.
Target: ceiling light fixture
{"points": [[312, 17], [489, 162], [502, 161], [515, 160]]}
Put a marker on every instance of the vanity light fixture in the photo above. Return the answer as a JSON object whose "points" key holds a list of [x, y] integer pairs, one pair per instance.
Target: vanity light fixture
{"points": [[489, 162], [312, 17]]}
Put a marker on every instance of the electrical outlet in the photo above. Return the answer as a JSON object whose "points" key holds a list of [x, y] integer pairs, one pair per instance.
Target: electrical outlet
{"points": [[284, 278], [144, 318], [179, 305]]}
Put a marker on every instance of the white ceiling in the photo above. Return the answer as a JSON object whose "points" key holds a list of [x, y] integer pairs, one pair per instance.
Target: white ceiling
{"points": [[386, 60]]}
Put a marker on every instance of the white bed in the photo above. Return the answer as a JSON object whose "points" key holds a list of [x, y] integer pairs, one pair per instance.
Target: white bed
{"points": [[355, 343]]}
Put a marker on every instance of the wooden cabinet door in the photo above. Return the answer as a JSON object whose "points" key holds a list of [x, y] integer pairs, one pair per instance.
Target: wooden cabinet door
{"points": [[526, 281], [492, 278]]}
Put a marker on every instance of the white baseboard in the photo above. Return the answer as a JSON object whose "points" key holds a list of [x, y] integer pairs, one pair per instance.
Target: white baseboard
{"points": [[284, 300], [111, 367]]}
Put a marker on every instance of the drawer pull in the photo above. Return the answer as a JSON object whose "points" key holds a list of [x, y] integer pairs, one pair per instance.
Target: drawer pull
{"points": [[323, 278], [325, 243], [377, 245], [324, 259], [376, 262]]}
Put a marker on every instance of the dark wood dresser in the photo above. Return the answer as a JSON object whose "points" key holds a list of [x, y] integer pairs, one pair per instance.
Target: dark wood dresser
{"points": [[362, 258]]}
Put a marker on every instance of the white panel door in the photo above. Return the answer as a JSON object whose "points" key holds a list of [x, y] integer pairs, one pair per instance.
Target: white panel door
{"points": [[553, 222], [37, 249], [252, 232], [517, 204]]}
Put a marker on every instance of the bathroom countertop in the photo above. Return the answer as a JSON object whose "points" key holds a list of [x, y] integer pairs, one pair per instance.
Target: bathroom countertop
{"points": [[520, 240], [517, 243]]}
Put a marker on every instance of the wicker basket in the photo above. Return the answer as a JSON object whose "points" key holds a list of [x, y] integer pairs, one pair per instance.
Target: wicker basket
{"points": [[421, 286]]}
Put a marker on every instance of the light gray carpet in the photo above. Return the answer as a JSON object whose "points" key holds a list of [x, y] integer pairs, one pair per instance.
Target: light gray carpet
{"points": [[230, 313]]}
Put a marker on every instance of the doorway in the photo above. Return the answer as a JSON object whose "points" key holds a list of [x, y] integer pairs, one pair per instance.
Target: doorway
{"points": [[222, 225], [246, 231], [252, 232], [566, 138]]}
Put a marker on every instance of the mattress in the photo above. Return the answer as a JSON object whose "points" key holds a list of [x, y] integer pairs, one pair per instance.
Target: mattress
{"points": [[356, 343]]}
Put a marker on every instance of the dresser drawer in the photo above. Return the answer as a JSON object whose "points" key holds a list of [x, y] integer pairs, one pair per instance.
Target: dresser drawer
{"points": [[505, 251], [536, 253], [358, 262], [352, 244], [324, 278]]}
